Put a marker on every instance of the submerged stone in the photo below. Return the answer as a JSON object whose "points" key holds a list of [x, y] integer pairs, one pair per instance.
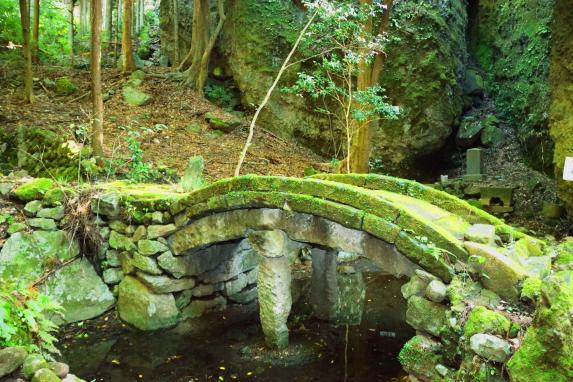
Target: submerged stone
{"points": [[145, 310], [197, 308]]}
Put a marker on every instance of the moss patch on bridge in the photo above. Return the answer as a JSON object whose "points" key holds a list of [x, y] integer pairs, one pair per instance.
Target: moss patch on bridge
{"points": [[419, 191]]}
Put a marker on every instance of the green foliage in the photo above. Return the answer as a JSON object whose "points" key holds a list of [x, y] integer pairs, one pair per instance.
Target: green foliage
{"points": [[149, 35], [139, 171], [24, 319], [53, 42], [338, 43], [219, 94]]}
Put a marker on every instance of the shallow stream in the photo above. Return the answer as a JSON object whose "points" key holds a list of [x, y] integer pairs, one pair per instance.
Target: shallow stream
{"points": [[228, 346]]}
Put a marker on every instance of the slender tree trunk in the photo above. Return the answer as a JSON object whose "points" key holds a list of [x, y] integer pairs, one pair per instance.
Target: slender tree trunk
{"points": [[36, 33], [126, 43], [97, 99], [175, 13], [199, 38], [117, 28], [109, 23], [25, 21], [204, 64], [71, 30], [368, 75]]}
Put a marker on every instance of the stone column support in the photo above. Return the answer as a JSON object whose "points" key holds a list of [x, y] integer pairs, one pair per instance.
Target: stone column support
{"points": [[324, 284], [274, 285]]}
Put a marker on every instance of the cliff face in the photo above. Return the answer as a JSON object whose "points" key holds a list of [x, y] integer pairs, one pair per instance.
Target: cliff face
{"points": [[426, 58], [510, 40], [561, 111]]}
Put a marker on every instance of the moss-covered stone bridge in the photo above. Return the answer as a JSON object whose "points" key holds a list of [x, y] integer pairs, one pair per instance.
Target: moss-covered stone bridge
{"points": [[235, 239]]}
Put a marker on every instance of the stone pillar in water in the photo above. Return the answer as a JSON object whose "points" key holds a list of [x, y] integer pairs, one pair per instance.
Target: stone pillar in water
{"points": [[337, 293], [274, 286], [324, 286]]}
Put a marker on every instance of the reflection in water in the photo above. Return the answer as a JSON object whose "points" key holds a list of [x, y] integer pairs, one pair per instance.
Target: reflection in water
{"points": [[228, 346]]}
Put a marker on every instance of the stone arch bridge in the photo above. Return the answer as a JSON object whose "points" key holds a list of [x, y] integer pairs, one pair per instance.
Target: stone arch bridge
{"points": [[167, 243]]}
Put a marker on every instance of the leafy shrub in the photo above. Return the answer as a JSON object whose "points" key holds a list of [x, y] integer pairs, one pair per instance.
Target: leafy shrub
{"points": [[24, 319]]}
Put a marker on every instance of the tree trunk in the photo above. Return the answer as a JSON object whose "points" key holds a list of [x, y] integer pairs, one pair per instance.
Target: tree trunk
{"points": [[368, 75], [109, 23], [71, 30], [126, 43], [199, 38], [117, 28], [36, 33], [204, 64], [175, 13], [97, 99], [25, 21]]}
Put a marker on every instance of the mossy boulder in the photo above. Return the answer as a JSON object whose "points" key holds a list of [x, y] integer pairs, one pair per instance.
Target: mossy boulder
{"points": [[79, 290], [497, 271], [545, 352], [34, 189], [225, 123], [145, 310], [26, 256], [64, 86], [420, 356], [426, 316], [469, 132], [135, 97], [11, 358], [483, 320], [425, 58]]}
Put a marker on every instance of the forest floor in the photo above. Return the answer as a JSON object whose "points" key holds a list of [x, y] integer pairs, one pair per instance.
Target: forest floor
{"points": [[172, 127]]}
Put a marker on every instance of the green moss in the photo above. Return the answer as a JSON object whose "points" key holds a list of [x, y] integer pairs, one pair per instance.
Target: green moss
{"points": [[34, 189], [511, 43], [483, 320], [531, 289], [419, 356], [545, 352], [64, 86]]}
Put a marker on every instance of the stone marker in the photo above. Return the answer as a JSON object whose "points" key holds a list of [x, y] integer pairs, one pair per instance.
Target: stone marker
{"points": [[474, 164], [193, 177]]}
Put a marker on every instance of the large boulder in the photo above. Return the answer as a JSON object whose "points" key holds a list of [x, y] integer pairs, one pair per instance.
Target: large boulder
{"points": [[545, 352], [425, 59], [140, 307], [26, 256], [80, 291], [11, 358]]}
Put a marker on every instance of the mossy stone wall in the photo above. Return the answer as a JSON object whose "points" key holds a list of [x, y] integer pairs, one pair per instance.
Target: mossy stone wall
{"points": [[510, 40], [561, 111]]}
